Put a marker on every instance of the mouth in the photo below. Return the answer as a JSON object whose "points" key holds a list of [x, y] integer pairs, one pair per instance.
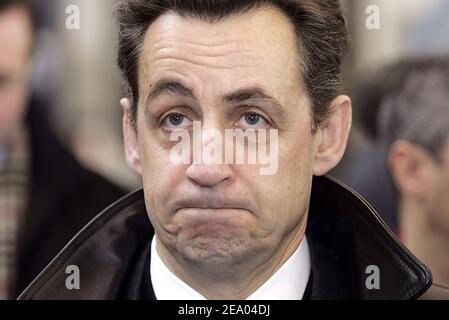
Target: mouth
{"points": [[211, 221], [212, 211], [212, 208]]}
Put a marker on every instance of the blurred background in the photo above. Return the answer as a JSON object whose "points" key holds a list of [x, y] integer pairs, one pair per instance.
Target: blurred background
{"points": [[76, 75], [77, 68]]}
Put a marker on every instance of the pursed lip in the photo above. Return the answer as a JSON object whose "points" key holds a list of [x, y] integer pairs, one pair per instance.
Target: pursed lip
{"points": [[212, 203]]}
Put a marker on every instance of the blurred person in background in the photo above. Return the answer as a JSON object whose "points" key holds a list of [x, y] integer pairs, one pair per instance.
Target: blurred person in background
{"points": [[414, 126], [368, 172], [46, 196]]}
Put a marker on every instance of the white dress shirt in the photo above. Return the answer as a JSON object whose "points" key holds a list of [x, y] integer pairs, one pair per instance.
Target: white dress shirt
{"points": [[288, 283]]}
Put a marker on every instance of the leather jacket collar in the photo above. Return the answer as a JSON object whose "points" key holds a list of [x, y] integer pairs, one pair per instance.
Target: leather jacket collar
{"points": [[347, 242]]}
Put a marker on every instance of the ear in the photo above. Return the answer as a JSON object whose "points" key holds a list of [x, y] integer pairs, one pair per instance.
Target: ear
{"points": [[130, 138], [332, 137], [412, 169]]}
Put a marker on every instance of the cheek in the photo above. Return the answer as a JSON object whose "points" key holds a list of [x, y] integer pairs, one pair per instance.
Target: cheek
{"points": [[283, 198], [295, 173], [296, 156], [160, 176]]}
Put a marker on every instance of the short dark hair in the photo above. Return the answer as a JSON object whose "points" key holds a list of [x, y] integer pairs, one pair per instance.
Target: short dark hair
{"points": [[320, 28], [414, 106]]}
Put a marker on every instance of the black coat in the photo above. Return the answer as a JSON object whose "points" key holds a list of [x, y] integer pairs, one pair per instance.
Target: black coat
{"points": [[63, 197], [345, 237]]}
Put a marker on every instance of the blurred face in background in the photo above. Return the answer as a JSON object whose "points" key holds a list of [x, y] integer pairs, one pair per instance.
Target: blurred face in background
{"points": [[16, 39], [423, 182]]}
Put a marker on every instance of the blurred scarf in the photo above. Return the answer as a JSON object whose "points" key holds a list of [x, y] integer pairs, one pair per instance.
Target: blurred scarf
{"points": [[14, 176]]}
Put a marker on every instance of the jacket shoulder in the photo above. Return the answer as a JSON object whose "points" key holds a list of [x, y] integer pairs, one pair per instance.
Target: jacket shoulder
{"points": [[106, 252], [435, 292]]}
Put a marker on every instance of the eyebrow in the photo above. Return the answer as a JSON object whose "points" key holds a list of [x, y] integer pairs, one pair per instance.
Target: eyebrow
{"points": [[248, 94], [168, 86]]}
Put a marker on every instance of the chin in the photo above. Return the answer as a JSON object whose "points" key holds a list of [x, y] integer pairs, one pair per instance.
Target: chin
{"points": [[226, 249]]}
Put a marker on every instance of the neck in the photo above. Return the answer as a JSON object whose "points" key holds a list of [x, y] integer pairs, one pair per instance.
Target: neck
{"points": [[428, 243], [232, 282]]}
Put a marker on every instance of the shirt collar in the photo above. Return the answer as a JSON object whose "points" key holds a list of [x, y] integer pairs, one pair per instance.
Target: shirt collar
{"points": [[287, 283]]}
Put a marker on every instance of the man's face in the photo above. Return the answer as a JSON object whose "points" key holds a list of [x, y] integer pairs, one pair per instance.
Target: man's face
{"points": [[240, 73], [15, 47]]}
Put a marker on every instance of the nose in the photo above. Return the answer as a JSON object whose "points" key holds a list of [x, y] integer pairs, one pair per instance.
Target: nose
{"points": [[203, 173], [209, 175]]}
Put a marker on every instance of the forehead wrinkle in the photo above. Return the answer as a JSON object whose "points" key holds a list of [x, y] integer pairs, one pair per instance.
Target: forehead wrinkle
{"points": [[219, 57], [231, 30], [204, 49], [201, 62], [162, 42]]}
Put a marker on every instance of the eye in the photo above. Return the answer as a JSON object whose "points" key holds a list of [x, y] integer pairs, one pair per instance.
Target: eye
{"points": [[253, 120], [176, 121]]}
